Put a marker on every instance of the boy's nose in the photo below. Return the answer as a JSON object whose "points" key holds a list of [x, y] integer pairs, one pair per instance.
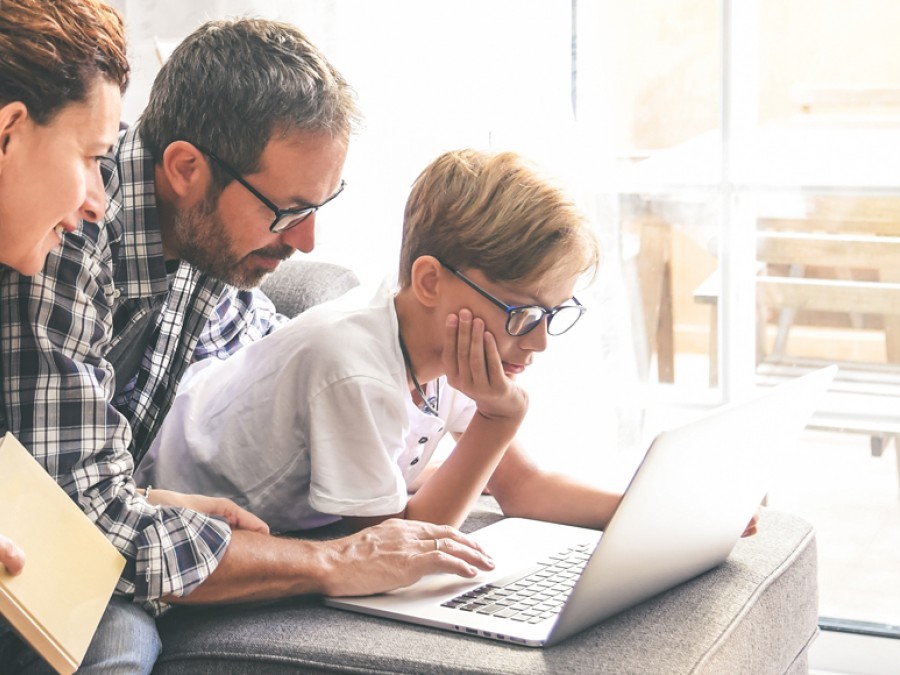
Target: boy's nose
{"points": [[536, 339]]}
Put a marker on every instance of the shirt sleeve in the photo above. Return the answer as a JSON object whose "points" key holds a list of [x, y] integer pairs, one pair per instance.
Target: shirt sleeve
{"points": [[241, 317], [56, 391], [357, 431]]}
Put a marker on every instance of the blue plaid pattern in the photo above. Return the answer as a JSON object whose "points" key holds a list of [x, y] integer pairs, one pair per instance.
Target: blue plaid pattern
{"points": [[58, 391]]}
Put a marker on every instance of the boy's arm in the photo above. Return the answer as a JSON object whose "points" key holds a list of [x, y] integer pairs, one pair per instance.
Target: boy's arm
{"points": [[525, 490], [473, 366]]}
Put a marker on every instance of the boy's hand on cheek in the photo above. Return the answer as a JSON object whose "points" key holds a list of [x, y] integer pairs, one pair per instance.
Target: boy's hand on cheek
{"points": [[473, 366]]}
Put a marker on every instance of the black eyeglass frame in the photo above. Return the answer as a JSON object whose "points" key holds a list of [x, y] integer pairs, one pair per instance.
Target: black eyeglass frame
{"points": [[291, 216], [511, 309]]}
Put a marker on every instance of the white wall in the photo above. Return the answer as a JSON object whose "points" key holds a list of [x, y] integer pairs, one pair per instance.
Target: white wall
{"points": [[430, 76]]}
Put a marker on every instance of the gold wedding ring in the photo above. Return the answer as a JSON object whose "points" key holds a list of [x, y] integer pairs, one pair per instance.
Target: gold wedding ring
{"points": [[437, 544]]}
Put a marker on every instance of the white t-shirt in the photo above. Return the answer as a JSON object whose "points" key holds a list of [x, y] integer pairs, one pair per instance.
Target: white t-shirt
{"points": [[312, 422]]}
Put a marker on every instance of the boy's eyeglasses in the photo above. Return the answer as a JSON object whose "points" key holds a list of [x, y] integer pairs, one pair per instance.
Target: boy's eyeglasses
{"points": [[285, 219], [523, 319]]}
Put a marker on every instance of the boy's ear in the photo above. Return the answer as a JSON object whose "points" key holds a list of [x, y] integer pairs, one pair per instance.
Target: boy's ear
{"points": [[426, 280], [187, 171], [12, 116]]}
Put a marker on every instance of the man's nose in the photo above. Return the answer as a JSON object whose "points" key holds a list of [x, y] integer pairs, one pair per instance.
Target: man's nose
{"points": [[302, 237]]}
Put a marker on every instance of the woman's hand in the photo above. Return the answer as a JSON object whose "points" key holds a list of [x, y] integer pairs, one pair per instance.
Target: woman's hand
{"points": [[11, 556], [237, 517]]}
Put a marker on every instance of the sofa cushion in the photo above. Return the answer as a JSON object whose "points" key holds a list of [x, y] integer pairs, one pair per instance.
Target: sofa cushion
{"points": [[755, 613], [298, 284]]}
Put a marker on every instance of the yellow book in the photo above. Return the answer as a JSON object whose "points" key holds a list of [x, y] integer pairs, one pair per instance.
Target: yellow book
{"points": [[71, 569]]}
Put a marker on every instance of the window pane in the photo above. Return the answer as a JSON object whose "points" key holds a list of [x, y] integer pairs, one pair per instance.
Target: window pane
{"points": [[828, 255], [804, 220]]}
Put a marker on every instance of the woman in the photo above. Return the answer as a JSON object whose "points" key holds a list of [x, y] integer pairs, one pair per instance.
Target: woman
{"points": [[62, 73]]}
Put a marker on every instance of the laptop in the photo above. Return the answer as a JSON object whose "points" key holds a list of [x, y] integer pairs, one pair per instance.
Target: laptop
{"points": [[685, 508]]}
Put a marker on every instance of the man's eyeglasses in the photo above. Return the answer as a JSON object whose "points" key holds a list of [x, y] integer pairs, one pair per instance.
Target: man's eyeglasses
{"points": [[525, 318], [285, 219]]}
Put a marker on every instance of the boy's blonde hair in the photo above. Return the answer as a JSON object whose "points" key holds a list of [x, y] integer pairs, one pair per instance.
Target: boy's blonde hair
{"points": [[495, 213]]}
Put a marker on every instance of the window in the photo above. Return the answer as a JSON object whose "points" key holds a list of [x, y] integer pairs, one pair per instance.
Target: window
{"points": [[757, 216]]}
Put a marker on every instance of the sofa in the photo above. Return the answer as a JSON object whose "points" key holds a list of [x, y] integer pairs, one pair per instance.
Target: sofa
{"points": [[755, 614]]}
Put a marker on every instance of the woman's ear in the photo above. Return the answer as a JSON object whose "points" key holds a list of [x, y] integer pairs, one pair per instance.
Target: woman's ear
{"points": [[426, 280], [12, 117], [186, 171]]}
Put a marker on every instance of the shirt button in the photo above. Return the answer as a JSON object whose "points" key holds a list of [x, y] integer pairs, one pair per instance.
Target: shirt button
{"points": [[414, 462], [424, 439]]}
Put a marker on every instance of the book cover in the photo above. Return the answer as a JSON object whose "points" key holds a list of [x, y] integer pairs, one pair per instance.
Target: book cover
{"points": [[71, 569]]}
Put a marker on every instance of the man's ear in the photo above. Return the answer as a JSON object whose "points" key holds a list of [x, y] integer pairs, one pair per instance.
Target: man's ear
{"points": [[12, 117], [186, 171], [426, 280]]}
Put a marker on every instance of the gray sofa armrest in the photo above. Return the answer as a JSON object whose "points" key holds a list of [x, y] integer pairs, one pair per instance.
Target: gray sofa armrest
{"points": [[299, 284], [756, 613]]}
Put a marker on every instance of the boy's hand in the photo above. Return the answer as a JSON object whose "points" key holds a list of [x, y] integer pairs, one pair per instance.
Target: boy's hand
{"points": [[473, 366], [236, 517], [753, 526]]}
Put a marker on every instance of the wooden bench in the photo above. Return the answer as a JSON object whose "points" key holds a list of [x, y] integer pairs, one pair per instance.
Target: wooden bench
{"points": [[838, 273]]}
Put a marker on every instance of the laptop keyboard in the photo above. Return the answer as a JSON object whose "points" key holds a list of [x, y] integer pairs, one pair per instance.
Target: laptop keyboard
{"points": [[537, 595]]}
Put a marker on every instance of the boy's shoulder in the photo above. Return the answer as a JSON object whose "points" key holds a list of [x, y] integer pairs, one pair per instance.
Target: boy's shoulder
{"points": [[362, 321]]}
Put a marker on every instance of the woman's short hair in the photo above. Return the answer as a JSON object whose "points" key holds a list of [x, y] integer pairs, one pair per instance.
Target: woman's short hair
{"points": [[496, 213], [232, 85], [51, 53]]}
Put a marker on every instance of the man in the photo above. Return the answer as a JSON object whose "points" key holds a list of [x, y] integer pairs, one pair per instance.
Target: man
{"points": [[243, 140]]}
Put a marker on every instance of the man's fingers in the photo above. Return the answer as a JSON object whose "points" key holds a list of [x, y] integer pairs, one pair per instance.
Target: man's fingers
{"points": [[397, 553], [449, 543], [452, 558]]}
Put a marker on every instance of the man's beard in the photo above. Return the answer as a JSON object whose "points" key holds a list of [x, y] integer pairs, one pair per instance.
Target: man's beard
{"points": [[204, 242]]}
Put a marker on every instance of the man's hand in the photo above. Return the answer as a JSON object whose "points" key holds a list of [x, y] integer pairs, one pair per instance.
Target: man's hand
{"points": [[237, 517], [11, 556], [473, 366], [397, 553], [391, 555]]}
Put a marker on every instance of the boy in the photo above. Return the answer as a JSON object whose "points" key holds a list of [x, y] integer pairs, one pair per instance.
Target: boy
{"points": [[335, 414]]}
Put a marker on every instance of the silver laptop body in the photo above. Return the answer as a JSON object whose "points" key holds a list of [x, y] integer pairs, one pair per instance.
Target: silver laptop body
{"points": [[686, 507]]}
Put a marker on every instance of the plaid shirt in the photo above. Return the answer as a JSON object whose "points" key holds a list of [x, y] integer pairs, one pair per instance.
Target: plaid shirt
{"points": [[58, 389]]}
